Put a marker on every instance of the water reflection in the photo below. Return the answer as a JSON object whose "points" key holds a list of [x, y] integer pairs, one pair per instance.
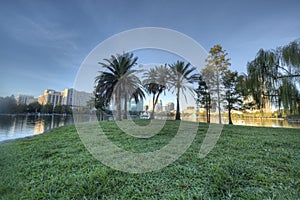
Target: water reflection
{"points": [[16, 126], [266, 122]]}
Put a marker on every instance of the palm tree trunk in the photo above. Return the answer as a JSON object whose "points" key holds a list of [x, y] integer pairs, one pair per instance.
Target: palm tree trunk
{"points": [[118, 109], [125, 107], [177, 117], [153, 107]]}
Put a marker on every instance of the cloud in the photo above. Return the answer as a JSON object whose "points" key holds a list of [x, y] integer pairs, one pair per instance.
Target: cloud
{"points": [[40, 32]]}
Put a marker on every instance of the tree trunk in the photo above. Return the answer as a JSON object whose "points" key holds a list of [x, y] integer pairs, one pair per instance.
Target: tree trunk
{"points": [[125, 107], [153, 107], [209, 115], [207, 111], [218, 93], [208, 107], [118, 109], [229, 116], [177, 117]]}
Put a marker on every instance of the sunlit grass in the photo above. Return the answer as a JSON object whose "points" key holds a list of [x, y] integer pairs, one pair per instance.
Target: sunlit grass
{"points": [[246, 163]]}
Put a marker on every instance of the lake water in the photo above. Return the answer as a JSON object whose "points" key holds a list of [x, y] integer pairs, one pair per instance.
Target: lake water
{"points": [[18, 126]]}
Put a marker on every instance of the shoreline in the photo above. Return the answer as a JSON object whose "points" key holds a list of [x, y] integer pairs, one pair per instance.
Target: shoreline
{"points": [[237, 125], [30, 136], [35, 114]]}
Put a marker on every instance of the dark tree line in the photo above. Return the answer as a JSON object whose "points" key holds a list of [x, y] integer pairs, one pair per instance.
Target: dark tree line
{"points": [[8, 105]]}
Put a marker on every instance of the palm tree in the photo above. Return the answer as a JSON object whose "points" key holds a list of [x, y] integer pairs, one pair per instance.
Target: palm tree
{"points": [[118, 81], [181, 76], [156, 83]]}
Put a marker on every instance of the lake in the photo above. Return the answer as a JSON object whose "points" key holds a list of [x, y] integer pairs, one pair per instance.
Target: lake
{"points": [[18, 126]]}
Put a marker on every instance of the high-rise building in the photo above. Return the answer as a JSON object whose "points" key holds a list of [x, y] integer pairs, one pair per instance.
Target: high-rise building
{"points": [[158, 106], [169, 106], [133, 106], [24, 99], [78, 98], [50, 96], [68, 96]]}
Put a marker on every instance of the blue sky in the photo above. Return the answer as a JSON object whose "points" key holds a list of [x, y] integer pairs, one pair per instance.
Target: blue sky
{"points": [[43, 43]]}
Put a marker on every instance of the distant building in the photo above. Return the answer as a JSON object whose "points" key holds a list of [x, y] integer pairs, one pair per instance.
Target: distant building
{"points": [[24, 99], [169, 106], [150, 106], [74, 98], [158, 106], [133, 106], [50, 96], [190, 110], [68, 96]]}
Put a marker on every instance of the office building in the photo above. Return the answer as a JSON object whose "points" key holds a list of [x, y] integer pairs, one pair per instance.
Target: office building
{"points": [[24, 99], [68, 96], [133, 106], [50, 96], [169, 106]]}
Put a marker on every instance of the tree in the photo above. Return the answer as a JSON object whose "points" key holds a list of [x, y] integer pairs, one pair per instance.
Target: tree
{"points": [[155, 83], [233, 92], [290, 59], [273, 76], [117, 82], [65, 109], [8, 105], [34, 107], [21, 108], [261, 83], [289, 96], [57, 109], [181, 76], [203, 97], [48, 108], [217, 64]]}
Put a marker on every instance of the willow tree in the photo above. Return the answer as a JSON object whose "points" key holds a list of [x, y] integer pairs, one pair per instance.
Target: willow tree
{"points": [[290, 76], [274, 75], [289, 96], [261, 82], [217, 64], [290, 58]]}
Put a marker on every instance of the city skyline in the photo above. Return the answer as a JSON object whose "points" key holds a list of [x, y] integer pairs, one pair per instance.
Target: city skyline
{"points": [[43, 43]]}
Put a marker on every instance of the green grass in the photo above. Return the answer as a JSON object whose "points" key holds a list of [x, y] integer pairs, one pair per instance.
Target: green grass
{"points": [[246, 163]]}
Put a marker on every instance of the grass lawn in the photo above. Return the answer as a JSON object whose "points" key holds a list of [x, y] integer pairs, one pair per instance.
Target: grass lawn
{"points": [[246, 163]]}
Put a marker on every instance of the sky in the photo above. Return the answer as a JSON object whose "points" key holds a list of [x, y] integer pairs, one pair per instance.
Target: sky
{"points": [[43, 43]]}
